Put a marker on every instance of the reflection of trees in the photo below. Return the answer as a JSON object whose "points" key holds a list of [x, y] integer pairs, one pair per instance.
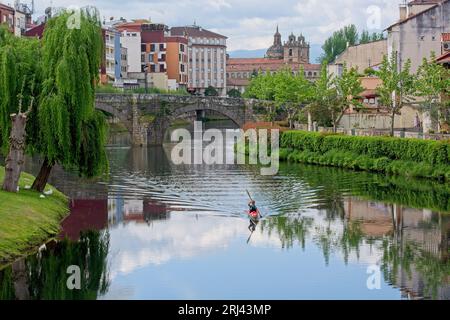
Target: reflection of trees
{"points": [[405, 257], [289, 229], [332, 183], [404, 262], [45, 275]]}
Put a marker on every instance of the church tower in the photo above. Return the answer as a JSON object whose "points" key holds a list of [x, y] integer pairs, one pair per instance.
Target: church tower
{"points": [[296, 50], [276, 50]]}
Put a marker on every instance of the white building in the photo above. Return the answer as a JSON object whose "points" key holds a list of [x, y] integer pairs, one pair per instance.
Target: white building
{"points": [[206, 58], [131, 40], [20, 23], [419, 31]]}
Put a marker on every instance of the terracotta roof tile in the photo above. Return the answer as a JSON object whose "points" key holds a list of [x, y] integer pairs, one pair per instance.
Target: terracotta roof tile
{"points": [[445, 58], [252, 64]]}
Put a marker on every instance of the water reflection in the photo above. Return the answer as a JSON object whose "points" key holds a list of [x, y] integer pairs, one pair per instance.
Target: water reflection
{"points": [[181, 232], [44, 276]]}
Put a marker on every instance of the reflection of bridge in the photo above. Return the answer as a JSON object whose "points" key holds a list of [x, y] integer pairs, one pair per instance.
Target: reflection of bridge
{"points": [[148, 116]]}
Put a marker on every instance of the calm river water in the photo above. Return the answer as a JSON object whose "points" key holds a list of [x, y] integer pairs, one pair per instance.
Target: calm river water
{"points": [[153, 230]]}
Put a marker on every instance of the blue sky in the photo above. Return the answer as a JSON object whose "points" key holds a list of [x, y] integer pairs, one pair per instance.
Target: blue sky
{"points": [[250, 24]]}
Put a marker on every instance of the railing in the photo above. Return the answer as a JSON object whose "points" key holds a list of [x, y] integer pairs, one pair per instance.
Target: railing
{"points": [[403, 133]]}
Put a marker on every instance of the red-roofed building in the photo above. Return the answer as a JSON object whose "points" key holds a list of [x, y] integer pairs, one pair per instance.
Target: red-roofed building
{"points": [[240, 71], [7, 16], [37, 31], [293, 54]]}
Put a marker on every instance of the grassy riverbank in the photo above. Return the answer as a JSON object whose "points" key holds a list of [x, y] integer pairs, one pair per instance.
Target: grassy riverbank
{"points": [[26, 220], [396, 156]]}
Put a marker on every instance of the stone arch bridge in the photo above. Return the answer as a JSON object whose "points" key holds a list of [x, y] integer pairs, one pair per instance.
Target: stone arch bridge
{"points": [[148, 116]]}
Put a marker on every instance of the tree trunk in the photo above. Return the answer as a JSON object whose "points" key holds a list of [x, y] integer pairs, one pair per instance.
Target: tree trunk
{"points": [[16, 156], [20, 280], [41, 180], [392, 123]]}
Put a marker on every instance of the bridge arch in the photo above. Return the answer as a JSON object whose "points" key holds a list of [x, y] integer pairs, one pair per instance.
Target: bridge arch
{"points": [[131, 109], [157, 130]]}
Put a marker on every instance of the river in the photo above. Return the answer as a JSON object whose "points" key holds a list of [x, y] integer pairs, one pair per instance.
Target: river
{"points": [[154, 230]]}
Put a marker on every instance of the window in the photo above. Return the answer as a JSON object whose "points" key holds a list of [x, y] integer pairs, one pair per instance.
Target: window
{"points": [[182, 68], [152, 68], [143, 47], [152, 47], [182, 47], [161, 47], [290, 52]]}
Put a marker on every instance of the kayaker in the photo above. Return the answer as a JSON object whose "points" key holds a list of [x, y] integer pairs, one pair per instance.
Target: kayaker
{"points": [[254, 215], [253, 210]]}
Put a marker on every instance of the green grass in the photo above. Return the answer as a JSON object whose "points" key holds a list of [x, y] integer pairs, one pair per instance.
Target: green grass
{"points": [[26, 220]]}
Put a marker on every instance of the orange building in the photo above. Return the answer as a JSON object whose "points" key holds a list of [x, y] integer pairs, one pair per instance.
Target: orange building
{"points": [[177, 59]]}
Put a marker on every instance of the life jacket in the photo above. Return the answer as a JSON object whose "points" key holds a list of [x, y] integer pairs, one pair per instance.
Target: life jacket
{"points": [[254, 214]]}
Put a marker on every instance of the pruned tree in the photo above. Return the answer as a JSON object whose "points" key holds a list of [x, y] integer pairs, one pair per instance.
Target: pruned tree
{"points": [[324, 96], [348, 87], [432, 82], [16, 155], [397, 86], [20, 81], [262, 87], [292, 91]]}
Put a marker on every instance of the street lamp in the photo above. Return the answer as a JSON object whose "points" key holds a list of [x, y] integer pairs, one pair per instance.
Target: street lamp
{"points": [[146, 80]]}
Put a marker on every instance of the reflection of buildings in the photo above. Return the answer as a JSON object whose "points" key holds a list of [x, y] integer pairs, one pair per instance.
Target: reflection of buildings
{"points": [[85, 215], [140, 211], [427, 232]]}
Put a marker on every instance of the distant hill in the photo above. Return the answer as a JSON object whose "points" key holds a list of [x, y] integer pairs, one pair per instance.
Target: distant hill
{"points": [[316, 51], [248, 53]]}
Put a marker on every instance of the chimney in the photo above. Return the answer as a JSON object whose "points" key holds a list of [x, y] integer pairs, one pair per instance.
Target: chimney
{"points": [[403, 12]]}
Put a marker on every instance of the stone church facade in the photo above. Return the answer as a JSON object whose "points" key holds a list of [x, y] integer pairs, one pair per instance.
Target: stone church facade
{"points": [[295, 50], [292, 54]]}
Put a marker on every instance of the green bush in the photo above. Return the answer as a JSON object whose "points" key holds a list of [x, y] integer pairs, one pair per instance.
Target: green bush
{"points": [[415, 150], [395, 156]]}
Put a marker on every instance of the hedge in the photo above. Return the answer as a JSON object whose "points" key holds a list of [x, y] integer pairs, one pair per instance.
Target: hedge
{"points": [[410, 157]]}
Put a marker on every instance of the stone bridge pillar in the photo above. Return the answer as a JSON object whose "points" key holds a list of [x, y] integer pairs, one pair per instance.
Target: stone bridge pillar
{"points": [[138, 128]]}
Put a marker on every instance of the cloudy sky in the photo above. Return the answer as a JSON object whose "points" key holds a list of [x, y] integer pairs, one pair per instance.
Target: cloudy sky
{"points": [[249, 24]]}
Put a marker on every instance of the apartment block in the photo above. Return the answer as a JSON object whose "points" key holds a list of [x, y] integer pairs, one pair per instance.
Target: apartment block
{"points": [[206, 58]]}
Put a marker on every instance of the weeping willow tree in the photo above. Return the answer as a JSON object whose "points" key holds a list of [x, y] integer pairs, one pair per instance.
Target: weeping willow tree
{"points": [[71, 132], [20, 83]]}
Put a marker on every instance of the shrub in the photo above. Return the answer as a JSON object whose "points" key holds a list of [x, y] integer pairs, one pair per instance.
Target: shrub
{"points": [[414, 150], [395, 156]]}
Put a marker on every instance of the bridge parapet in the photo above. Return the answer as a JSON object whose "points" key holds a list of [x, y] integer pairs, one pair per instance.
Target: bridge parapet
{"points": [[147, 116]]}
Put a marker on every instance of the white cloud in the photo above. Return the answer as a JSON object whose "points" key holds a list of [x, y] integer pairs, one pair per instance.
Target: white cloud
{"points": [[249, 24]]}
